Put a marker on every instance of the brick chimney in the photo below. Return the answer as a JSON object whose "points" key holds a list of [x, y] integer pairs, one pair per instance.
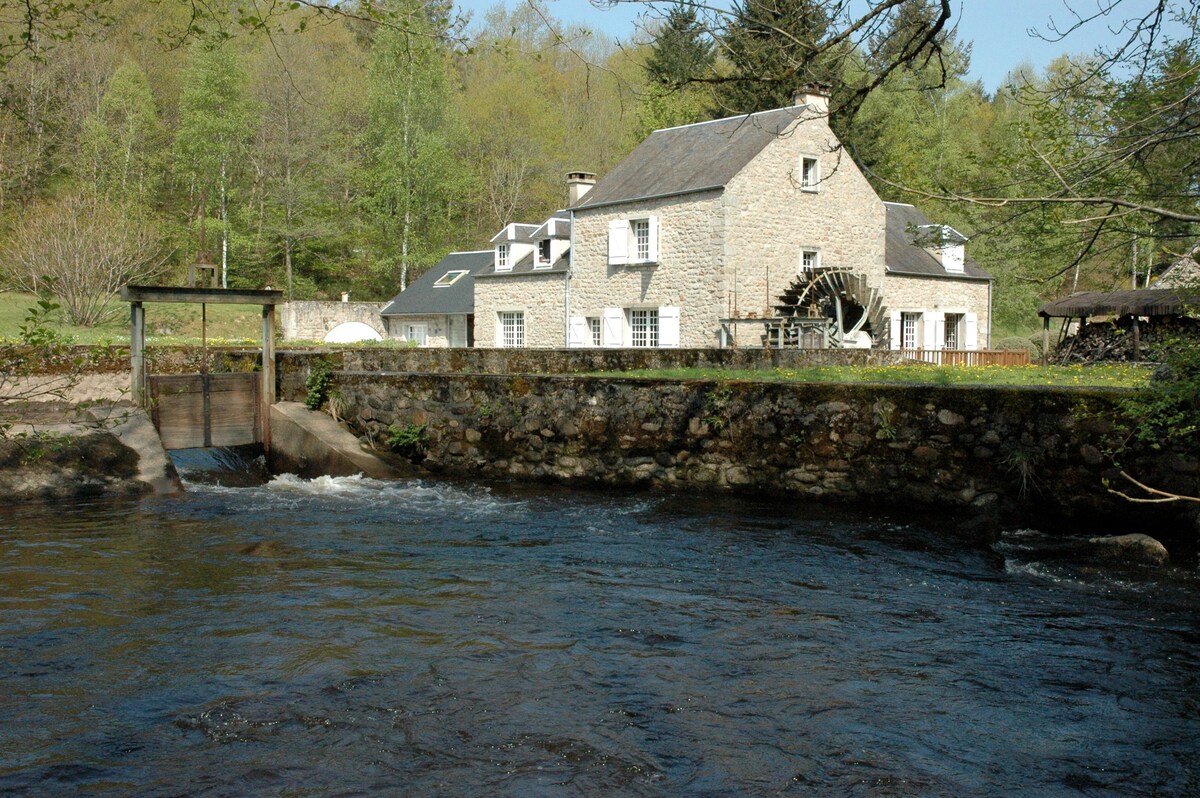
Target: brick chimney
{"points": [[578, 185], [815, 96]]}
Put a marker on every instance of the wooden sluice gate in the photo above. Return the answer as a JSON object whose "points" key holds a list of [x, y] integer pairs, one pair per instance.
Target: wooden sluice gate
{"points": [[204, 410]]}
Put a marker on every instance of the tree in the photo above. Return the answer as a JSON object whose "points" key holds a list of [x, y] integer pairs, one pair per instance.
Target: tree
{"points": [[81, 249], [412, 178], [680, 50], [1115, 116], [216, 120], [123, 141], [773, 47]]}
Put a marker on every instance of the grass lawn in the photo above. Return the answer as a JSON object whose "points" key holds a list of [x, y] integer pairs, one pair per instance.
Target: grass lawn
{"points": [[1108, 375]]}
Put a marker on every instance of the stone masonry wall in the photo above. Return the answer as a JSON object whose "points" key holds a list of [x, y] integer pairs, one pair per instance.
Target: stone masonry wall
{"points": [[948, 296], [1000, 454], [688, 274], [437, 328], [539, 296], [310, 321], [769, 219]]}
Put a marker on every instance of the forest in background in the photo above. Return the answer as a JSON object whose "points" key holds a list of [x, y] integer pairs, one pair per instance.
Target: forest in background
{"points": [[344, 151]]}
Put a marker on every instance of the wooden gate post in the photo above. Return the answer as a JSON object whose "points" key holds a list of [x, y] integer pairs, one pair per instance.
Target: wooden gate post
{"points": [[137, 352], [268, 373]]}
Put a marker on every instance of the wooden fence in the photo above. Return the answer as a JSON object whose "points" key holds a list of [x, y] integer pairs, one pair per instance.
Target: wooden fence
{"points": [[962, 357]]}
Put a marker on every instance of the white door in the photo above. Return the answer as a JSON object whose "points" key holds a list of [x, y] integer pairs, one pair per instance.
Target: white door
{"points": [[416, 333]]}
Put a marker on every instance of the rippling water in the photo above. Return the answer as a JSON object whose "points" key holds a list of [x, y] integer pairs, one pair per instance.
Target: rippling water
{"points": [[350, 637]]}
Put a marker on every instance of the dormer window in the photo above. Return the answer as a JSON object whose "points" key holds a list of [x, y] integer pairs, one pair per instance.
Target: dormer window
{"points": [[810, 173], [543, 254], [502, 262], [449, 278]]}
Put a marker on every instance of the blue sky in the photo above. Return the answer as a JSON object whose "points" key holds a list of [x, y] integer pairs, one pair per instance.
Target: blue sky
{"points": [[998, 28]]}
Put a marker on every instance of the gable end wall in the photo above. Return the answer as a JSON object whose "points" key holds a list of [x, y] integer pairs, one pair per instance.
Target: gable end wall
{"points": [[770, 219]]}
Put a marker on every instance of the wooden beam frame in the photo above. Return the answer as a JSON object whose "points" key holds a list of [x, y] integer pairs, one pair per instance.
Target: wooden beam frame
{"points": [[210, 296], [136, 295]]}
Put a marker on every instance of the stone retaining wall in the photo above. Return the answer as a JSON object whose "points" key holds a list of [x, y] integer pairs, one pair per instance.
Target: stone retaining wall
{"points": [[1014, 454]]}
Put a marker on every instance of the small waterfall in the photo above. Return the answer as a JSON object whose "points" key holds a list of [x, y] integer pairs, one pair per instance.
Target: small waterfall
{"points": [[228, 466]]}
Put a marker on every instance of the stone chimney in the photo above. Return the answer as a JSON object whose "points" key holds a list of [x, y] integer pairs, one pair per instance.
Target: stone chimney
{"points": [[815, 96], [578, 185]]}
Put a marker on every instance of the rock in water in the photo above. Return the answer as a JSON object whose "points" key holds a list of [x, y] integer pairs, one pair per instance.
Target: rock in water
{"points": [[1135, 548]]}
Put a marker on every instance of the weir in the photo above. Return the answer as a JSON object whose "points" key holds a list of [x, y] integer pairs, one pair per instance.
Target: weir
{"points": [[203, 410]]}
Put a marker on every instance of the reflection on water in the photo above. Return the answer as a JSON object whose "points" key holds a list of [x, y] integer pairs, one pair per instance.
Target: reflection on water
{"points": [[351, 637]]}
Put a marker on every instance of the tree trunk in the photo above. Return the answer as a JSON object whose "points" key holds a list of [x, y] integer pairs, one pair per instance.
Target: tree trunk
{"points": [[224, 232]]}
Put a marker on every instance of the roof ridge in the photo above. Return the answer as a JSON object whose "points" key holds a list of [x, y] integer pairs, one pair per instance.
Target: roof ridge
{"points": [[727, 118]]}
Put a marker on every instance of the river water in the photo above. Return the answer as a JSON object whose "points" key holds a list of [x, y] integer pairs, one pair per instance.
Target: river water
{"points": [[349, 637]]}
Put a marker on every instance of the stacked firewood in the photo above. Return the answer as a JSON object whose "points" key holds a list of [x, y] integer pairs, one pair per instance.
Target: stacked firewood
{"points": [[1112, 341]]}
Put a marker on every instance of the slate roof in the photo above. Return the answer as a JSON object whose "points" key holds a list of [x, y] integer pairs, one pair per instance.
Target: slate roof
{"points": [[516, 232], [680, 160], [557, 226], [422, 298], [525, 266], [902, 256]]}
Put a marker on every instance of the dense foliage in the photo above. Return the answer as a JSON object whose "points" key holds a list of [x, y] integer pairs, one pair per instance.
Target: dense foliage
{"points": [[322, 147]]}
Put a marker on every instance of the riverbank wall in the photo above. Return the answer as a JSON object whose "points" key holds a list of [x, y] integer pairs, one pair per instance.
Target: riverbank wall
{"points": [[992, 455]]}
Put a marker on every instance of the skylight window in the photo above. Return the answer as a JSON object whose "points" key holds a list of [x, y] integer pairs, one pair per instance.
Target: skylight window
{"points": [[449, 278]]}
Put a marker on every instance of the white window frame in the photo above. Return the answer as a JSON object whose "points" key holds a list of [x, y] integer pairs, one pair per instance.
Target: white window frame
{"points": [[544, 263], [954, 331], [510, 329], [810, 173], [910, 329], [643, 327], [503, 261], [639, 229], [593, 323], [816, 260]]}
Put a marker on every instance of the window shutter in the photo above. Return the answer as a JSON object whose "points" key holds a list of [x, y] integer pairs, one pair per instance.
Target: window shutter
{"points": [[971, 332], [897, 339], [929, 335], [618, 242], [580, 333], [939, 330], [611, 326], [668, 327], [653, 257]]}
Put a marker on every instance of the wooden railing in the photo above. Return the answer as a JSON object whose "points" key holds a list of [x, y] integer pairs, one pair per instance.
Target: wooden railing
{"points": [[963, 357]]}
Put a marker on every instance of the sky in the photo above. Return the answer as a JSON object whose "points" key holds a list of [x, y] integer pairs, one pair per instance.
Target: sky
{"points": [[1000, 29]]}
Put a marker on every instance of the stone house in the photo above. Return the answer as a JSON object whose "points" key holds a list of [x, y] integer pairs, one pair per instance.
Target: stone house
{"points": [[747, 231], [1183, 273], [937, 295], [520, 295], [438, 309]]}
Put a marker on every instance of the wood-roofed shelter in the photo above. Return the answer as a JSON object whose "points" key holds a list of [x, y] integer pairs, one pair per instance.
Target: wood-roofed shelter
{"points": [[1149, 302], [182, 405]]}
